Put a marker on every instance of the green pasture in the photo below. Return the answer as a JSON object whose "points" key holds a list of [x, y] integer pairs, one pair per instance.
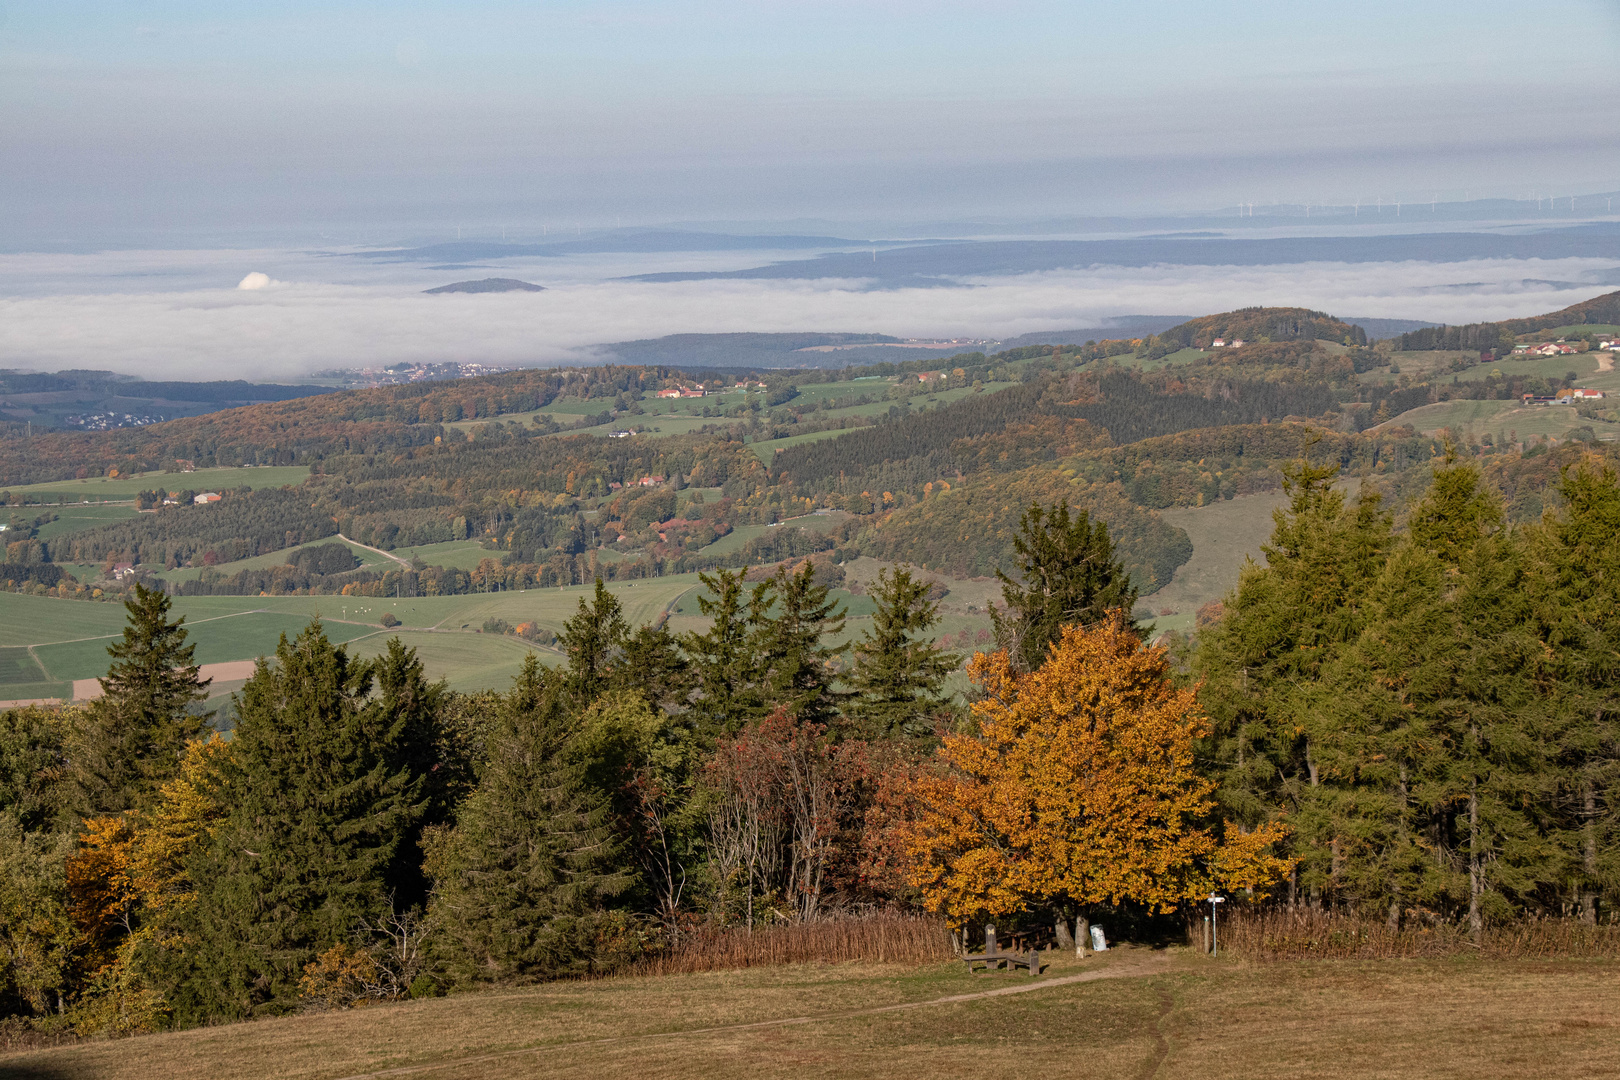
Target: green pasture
{"points": [[684, 498], [649, 425], [467, 661], [368, 558], [72, 519], [236, 637], [737, 537], [460, 554], [1181, 356], [1224, 535], [98, 488], [1508, 419], [68, 638], [1564, 331], [1584, 365], [682, 417], [767, 450]]}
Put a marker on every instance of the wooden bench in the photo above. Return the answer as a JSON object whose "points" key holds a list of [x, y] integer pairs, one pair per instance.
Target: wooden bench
{"points": [[994, 959]]}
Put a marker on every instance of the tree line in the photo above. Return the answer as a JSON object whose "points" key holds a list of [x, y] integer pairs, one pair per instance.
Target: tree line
{"points": [[1416, 722]]}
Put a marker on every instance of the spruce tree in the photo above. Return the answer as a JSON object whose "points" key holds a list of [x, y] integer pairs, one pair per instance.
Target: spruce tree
{"points": [[594, 640], [898, 673], [1574, 584], [520, 880], [1373, 722], [654, 667], [1495, 784], [325, 791], [32, 764], [1284, 626], [1069, 575], [723, 657], [794, 659], [129, 741]]}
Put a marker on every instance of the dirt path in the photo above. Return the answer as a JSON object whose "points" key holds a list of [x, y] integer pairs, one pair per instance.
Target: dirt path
{"points": [[1153, 964], [379, 551], [1161, 1045]]}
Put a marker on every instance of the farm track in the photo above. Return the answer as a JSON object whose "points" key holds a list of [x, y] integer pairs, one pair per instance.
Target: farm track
{"points": [[378, 551]]}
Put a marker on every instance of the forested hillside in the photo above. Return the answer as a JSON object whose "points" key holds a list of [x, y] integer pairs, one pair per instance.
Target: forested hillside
{"points": [[555, 477], [1599, 311]]}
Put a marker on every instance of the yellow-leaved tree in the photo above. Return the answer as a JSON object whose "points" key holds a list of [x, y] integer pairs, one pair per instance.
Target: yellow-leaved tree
{"points": [[128, 883], [1078, 789]]}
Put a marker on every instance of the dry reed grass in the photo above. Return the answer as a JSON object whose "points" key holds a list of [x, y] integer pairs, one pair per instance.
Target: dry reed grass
{"points": [[1304, 933], [19, 1034], [886, 938]]}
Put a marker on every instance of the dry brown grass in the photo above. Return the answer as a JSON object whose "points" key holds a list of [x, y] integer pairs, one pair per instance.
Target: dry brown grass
{"points": [[1174, 1014], [885, 939], [1305, 934]]}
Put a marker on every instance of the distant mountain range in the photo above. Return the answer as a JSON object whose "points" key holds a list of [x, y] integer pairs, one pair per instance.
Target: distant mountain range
{"points": [[944, 264], [473, 251], [489, 284]]}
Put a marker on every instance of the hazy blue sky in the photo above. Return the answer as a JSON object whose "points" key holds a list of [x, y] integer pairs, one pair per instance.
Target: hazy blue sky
{"points": [[165, 114]]}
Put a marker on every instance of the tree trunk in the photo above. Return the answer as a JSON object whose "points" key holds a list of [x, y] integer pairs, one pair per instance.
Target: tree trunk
{"points": [[1476, 867], [1060, 927], [1082, 936], [1589, 856]]}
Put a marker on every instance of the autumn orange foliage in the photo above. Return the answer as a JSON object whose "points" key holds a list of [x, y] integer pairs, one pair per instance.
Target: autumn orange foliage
{"points": [[1079, 788]]}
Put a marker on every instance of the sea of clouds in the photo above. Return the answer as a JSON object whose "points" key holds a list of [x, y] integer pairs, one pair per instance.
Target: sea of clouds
{"points": [[267, 315]]}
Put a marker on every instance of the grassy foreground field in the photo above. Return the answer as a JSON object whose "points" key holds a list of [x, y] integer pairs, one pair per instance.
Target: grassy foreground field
{"points": [[1131, 1013]]}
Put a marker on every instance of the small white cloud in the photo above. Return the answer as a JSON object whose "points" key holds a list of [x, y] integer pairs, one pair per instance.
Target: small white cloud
{"points": [[254, 280]]}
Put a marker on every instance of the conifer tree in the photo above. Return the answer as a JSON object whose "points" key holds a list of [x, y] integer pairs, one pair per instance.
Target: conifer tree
{"points": [[723, 657], [520, 879], [1283, 627], [898, 674], [1373, 722], [654, 667], [32, 761], [795, 662], [594, 640], [325, 790], [1069, 575], [126, 744], [1574, 585]]}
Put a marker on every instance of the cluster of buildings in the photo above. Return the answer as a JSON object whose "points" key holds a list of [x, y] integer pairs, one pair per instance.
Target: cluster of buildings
{"points": [[699, 391], [1560, 348], [1565, 397], [645, 481], [1222, 343], [106, 421], [395, 374], [202, 499]]}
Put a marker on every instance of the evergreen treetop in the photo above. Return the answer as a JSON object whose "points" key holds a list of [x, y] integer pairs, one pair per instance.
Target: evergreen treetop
{"points": [[325, 791], [898, 674], [1068, 575], [129, 741], [522, 877]]}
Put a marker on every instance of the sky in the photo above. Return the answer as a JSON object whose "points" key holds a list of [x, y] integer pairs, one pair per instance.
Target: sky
{"points": [[229, 119], [153, 153]]}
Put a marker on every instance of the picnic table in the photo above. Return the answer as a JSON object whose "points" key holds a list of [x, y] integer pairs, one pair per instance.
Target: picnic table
{"points": [[994, 959]]}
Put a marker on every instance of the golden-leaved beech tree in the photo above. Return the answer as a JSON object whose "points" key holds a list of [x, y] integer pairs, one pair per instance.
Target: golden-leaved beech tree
{"points": [[1078, 789]]}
